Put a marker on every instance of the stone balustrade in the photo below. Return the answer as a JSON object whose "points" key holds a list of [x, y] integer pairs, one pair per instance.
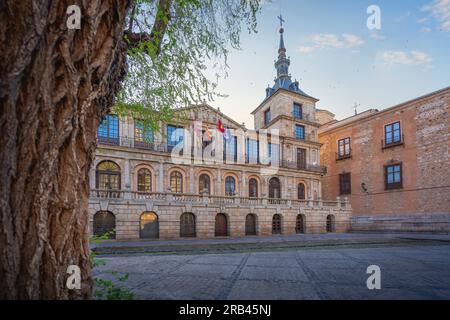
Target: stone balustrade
{"points": [[165, 198]]}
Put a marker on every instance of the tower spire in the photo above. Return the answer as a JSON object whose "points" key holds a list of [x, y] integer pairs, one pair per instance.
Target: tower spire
{"points": [[283, 79]]}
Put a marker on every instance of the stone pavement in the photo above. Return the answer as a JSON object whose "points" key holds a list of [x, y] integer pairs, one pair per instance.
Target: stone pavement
{"points": [[420, 271], [255, 244]]}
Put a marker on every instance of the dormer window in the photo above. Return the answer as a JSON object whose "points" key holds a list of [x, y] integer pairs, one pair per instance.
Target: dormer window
{"points": [[297, 111], [267, 117]]}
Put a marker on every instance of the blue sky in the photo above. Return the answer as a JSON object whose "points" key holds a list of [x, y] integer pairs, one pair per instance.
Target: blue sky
{"points": [[338, 60]]}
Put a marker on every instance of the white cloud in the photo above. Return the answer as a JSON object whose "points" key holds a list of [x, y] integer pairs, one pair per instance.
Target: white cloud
{"points": [[426, 29], [413, 58], [422, 20], [375, 34], [440, 10], [328, 40]]}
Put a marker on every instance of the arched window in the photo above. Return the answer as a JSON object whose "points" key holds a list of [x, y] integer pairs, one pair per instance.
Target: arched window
{"points": [[204, 184], [230, 186], [250, 225], [276, 224], [253, 188], [187, 225], [330, 223], [176, 182], [221, 226], [105, 224], [301, 192], [300, 224], [149, 226], [107, 176], [274, 188], [144, 180]]}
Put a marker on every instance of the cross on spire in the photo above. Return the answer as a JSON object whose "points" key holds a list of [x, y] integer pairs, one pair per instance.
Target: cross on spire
{"points": [[280, 17], [355, 107]]}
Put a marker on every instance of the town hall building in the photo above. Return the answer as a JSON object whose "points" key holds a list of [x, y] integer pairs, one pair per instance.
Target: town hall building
{"points": [[264, 183], [300, 170]]}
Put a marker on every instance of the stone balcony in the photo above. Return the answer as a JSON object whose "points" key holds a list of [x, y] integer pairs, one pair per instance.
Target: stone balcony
{"points": [[167, 198]]}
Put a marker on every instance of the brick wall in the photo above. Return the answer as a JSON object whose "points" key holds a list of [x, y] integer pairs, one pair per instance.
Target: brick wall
{"points": [[423, 203]]}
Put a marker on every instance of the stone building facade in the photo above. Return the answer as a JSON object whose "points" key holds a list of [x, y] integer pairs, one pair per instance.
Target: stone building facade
{"points": [[205, 175], [392, 164]]}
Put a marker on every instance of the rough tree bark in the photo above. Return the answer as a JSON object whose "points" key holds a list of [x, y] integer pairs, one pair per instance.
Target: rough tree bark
{"points": [[55, 85]]}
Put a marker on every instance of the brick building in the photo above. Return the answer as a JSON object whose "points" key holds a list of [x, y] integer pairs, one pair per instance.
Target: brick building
{"points": [[393, 164]]}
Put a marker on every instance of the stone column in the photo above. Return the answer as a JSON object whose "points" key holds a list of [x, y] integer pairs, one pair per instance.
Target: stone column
{"points": [[219, 183], [161, 177], [191, 180], [242, 187], [92, 178], [127, 170]]}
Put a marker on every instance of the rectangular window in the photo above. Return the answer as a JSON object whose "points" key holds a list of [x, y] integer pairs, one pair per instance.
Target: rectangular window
{"points": [[174, 135], [299, 132], [142, 133], [392, 133], [344, 150], [252, 151], [274, 153], [230, 148], [345, 185], [109, 127], [267, 117], [297, 111], [393, 177]]}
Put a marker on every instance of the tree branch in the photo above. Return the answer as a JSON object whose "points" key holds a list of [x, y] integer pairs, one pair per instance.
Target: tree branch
{"points": [[155, 38]]}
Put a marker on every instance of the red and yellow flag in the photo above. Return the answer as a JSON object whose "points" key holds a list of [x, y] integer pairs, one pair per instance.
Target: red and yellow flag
{"points": [[220, 126]]}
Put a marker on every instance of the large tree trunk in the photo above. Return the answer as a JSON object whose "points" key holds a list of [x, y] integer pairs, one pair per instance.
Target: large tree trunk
{"points": [[55, 85]]}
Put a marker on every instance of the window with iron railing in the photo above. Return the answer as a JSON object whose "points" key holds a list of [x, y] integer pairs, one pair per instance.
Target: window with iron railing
{"points": [[143, 135], [174, 135], [252, 151], [108, 130], [230, 148]]}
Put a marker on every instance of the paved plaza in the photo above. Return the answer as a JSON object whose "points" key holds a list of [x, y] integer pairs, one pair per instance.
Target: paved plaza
{"points": [[416, 270]]}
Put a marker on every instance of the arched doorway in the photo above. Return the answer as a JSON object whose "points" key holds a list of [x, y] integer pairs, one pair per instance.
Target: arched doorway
{"points": [[149, 226], [105, 224], [300, 224], [276, 224], [250, 225], [274, 189], [330, 223], [301, 192], [187, 225], [221, 227]]}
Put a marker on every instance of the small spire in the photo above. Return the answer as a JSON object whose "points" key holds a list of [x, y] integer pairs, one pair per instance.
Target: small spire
{"points": [[282, 47]]}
